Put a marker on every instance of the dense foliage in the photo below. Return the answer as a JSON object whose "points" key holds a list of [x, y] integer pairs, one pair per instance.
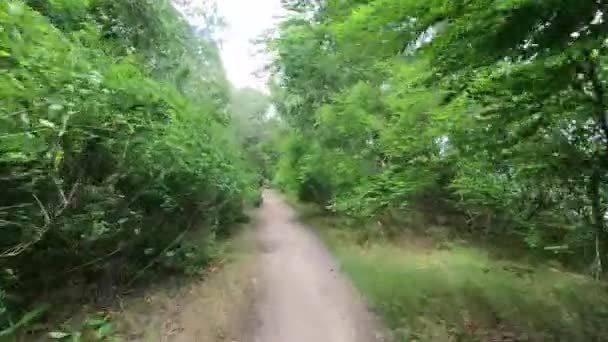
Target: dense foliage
{"points": [[115, 140], [493, 112], [255, 126]]}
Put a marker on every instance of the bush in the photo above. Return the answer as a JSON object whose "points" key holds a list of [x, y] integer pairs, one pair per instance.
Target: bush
{"points": [[110, 151]]}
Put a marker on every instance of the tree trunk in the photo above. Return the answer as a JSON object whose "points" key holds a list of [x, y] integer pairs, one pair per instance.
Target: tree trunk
{"points": [[597, 214], [600, 114]]}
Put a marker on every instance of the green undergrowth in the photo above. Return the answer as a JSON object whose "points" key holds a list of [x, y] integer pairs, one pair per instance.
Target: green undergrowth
{"points": [[117, 143], [428, 291], [142, 310]]}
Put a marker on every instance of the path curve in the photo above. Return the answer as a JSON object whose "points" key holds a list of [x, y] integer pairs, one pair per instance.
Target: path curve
{"points": [[301, 295]]}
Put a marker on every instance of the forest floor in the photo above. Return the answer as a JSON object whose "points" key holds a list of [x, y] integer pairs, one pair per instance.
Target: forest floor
{"points": [[279, 284]]}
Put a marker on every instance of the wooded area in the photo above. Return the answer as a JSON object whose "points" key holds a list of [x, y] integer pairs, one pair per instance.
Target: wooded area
{"points": [[493, 112], [115, 142], [477, 121], [126, 154]]}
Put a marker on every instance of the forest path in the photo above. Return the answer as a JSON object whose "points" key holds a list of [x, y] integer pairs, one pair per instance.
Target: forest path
{"points": [[301, 296]]}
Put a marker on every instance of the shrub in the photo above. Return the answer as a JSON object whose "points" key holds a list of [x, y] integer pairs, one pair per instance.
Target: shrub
{"points": [[109, 151]]}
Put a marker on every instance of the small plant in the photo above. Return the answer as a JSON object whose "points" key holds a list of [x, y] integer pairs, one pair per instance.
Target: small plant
{"points": [[97, 327]]}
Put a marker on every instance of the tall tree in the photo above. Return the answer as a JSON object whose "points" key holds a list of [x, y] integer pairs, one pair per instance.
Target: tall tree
{"points": [[496, 109]]}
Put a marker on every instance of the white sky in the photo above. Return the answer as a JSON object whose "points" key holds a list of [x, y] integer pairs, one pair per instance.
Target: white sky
{"points": [[246, 20]]}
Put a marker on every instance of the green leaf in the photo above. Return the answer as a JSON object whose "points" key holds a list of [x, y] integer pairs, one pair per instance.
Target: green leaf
{"points": [[26, 319], [47, 123], [57, 335], [15, 9], [95, 322], [105, 330], [55, 107], [76, 337]]}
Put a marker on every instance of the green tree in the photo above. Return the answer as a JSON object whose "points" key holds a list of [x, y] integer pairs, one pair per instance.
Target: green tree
{"points": [[115, 142], [493, 109]]}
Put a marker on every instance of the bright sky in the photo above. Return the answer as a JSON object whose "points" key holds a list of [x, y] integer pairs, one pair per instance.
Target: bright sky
{"points": [[246, 20]]}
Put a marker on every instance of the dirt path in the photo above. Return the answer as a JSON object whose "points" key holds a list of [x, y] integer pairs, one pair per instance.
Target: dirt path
{"points": [[280, 284], [301, 295], [214, 308]]}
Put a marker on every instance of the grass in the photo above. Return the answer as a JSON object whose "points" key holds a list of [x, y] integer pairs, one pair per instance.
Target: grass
{"points": [[426, 291], [214, 308]]}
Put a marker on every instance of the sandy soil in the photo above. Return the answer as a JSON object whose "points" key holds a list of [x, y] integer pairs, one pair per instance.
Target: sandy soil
{"points": [[301, 296]]}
